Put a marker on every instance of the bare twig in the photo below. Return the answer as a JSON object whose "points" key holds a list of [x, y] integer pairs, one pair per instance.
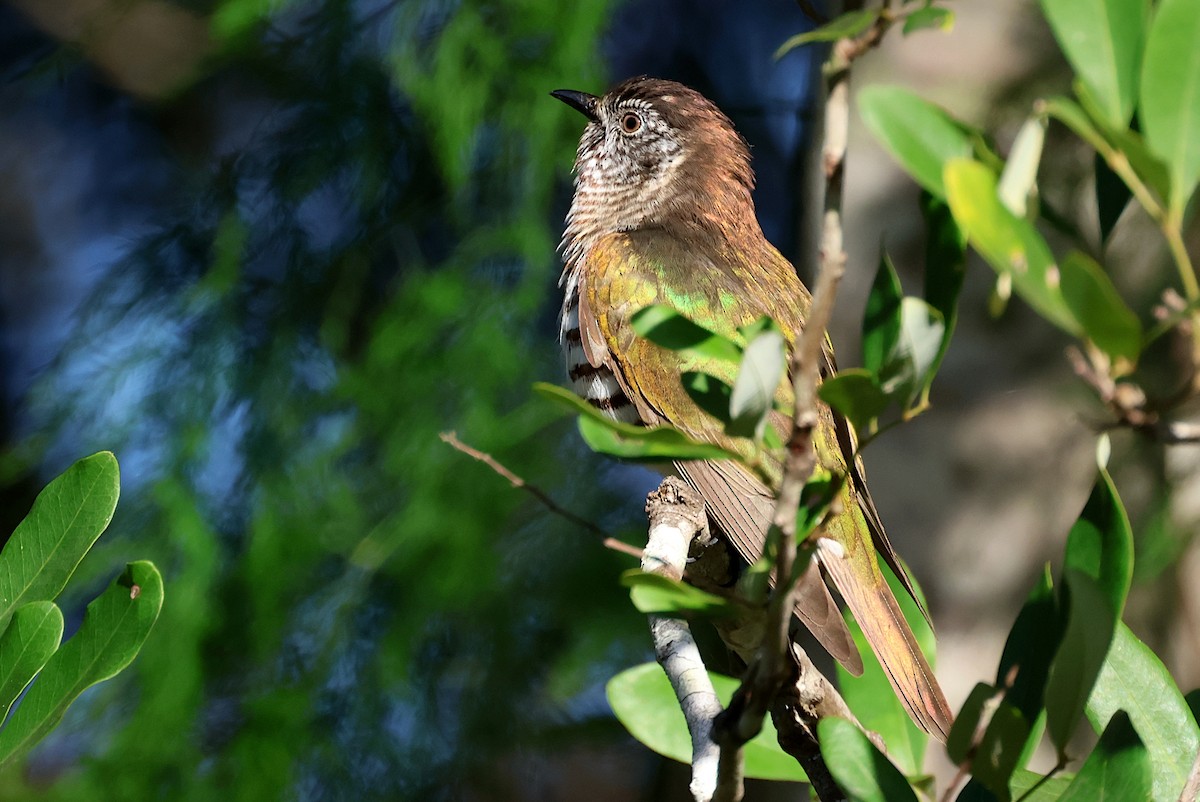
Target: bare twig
{"points": [[607, 540], [676, 517]]}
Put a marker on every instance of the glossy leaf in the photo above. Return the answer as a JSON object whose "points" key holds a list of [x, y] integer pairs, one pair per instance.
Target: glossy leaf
{"points": [[607, 436], [1077, 664], [1103, 315], [65, 520], [881, 319], [945, 269], [1102, 40], [854, 394], [1133, 679], [870, 696], [32, 636], [1118, 768], [1000, 749], [660, 595], [1018, 181], [1100, 543], [922, 137], [860, 769], [710, 393], [1030, 648], [1170, 89], [644, 702], [848, 25], [665, 326], [1011, 245], [1031, 787], [763, 364], [961, 740], [114, 627], [929, 17], [921, 335], [658, 444]]}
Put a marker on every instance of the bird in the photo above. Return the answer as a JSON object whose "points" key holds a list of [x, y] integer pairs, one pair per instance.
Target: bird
{"points": [[662, 213]]}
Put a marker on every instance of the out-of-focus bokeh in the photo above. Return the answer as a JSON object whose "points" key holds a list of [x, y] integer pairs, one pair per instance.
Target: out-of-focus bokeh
{"points": [[267, 251]]}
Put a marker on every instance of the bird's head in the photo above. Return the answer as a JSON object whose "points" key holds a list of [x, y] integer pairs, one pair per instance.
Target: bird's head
{"points": [[655, 154]]}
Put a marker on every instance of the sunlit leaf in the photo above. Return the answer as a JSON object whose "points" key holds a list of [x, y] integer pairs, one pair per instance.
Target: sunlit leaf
{"points": [[114, 627], [665, 326], [1100, 543], [1018, 181], [860, 769], [921, 333], [1170, 89], [1102, 39], [854, 394], [1118, 768], [660, 595], [1133, 679], [1030, 787], [1104, 316], [929, 17], [642, 699], [1010, 244], [919, 135], [850, 24], [658, 444], [763, 364], [1077, 664], [881, 319], [33, 635], [66, 518]]}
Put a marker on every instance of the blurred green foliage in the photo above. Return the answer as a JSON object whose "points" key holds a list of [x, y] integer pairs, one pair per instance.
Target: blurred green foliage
{"points": [[356, 610]]}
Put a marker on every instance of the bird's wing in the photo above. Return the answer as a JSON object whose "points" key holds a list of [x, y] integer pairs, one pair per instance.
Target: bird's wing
{"points": [[625, 275]]}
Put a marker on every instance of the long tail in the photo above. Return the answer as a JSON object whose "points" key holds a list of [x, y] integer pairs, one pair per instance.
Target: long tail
{"points": [[859, 581]]}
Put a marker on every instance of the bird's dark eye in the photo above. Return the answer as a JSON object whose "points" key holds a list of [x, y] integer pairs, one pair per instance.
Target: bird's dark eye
{"points": [[631, 123]]}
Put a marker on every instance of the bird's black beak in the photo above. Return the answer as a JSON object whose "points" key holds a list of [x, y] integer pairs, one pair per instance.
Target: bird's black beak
{"points": [[582, 102]]}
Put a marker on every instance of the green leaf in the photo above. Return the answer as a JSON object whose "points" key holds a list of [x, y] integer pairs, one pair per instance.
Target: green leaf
{"points": [[854, 394], [1102, 40], [658, 444], [870, 696], [945, 269], [1086, 121], [1118, 768], [929, 17], [624, 440], [1133, 679], [710, 393], [1030, 648], [644, 702], [921, 332], [1029, 786], [763, 364], [817, 495], [881, 320], [1100, 543], [961, 740], [1018, 181], [922, 137], [660, 595], [860, 769], [32, 636], [665, 326], [64, 522], [1101, 312], [1170, 87], [1080, 656], [113, 630], [846, 26], [1000, 749], [1010, 244]]}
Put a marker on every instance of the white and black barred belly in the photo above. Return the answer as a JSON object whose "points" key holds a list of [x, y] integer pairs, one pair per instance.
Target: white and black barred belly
{"points": [[595, 383]]}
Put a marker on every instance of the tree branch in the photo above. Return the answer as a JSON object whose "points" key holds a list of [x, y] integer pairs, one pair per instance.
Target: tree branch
{"points": [[607, 540], [676, 517]]}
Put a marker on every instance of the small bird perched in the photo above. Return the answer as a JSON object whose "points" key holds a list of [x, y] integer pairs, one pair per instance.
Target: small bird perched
{"points": [[663, 214]]}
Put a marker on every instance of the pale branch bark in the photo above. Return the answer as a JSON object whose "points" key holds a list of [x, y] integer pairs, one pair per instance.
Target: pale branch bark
{"points": [[1191, 789], [676, 517], [607, 540]]}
